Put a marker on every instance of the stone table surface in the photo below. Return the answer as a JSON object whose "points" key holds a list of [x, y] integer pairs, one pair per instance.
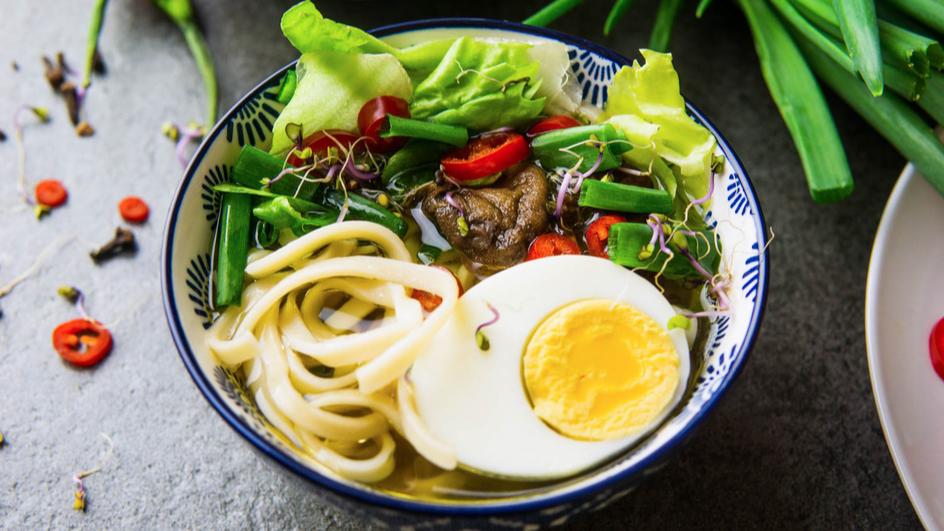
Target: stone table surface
{"points": [[795, 444]]}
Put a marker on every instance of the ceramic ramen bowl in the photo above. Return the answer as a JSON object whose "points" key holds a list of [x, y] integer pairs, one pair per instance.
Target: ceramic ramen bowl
{"points": [[735, 212]]}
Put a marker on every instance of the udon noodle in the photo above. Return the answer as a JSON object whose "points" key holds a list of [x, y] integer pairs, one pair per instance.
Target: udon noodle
{"points": [[328, 376]]}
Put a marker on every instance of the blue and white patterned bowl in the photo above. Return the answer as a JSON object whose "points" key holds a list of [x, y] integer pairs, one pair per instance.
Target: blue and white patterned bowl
{"points": [[735, 212]]}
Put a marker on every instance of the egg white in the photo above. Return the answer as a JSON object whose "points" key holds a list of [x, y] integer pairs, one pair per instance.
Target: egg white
{"points": [[475, 400]]}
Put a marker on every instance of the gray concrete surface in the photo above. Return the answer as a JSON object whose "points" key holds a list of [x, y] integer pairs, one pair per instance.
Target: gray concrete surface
{"points": [[796, 444]]}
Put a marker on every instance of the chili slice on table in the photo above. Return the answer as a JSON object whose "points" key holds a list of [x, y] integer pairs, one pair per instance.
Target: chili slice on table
{"points": [[430, 301], [551, 244], [372, 120], [133, 209], [598, 233], [937, 348], [82, 342], [485, 157], [51, 193], [552, 123], [321, 141]]}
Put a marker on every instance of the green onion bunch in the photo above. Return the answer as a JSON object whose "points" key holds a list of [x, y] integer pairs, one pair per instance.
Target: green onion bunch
{"points": [[883, 57]]}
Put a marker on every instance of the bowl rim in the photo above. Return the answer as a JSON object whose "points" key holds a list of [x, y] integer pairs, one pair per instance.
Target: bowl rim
{"points": [[343, 489]]}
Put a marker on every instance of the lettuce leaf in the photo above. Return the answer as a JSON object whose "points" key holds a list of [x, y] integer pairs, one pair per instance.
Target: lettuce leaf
{"points": [[646, 104], [332, 87], [481, 85]]}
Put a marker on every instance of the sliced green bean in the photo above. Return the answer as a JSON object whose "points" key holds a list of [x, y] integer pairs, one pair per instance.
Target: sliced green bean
{"points": [[551, 12], [233, 250], [662, 28], [890, 116], [801, 103], [859, 28]]}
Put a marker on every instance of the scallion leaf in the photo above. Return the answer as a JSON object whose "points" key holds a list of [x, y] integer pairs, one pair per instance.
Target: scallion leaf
{"points": [[662, 28], [551, 12], [615, 15], [859, 28]]}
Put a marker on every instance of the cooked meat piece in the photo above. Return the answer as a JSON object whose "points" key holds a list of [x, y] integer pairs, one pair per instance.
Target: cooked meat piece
{"points": [[502, 218]]}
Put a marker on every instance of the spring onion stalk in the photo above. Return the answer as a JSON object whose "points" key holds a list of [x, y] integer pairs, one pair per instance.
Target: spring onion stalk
{"points": [[900, 46], [801, 103], [928, 12], [702, 7], [624, 198], [91, 47], [933, 99], [615, 15], [181, 12], [859, 28], [890, 116], [662, 28], [551, 12], [627, 243], [407, 127], [902, 82]]}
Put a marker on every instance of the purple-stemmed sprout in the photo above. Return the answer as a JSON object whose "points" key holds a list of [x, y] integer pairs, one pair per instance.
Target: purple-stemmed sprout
{"points": [[480, 338], [707, 197], [562, 193], [43, 115], [589, 172], [350, 169], [187, 135]]}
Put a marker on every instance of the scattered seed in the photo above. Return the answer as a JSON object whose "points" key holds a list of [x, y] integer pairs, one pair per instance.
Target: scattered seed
{"points": [[84, 129], [15, 66], [3, 136], [54, 73], [68, 92]]}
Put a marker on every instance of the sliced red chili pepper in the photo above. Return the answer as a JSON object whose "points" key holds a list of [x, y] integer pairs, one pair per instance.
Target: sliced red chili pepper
{"points": [[552, 123], [430, 301], [321, 141], [82, 342], [937, 348], [133, 209], [551, 244], [485, 156], [51, 193], [372, 119], [598, 233]]}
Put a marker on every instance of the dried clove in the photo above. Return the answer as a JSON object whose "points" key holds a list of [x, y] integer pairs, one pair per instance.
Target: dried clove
{"points": [[123, 242], [15, 66], [84, 129], [98, 64], [55, 75], [3, 136], [68, 92]]}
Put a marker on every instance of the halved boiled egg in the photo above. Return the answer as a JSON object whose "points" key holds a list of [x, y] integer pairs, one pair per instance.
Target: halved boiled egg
{"points": [[580, 365]]}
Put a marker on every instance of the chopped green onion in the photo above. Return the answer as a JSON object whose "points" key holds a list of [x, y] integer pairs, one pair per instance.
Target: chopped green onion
{"points": [[624, 198], [615, 15], [414, 154], [628, 245], [859, 28], [580, 147], [662, 28], [407, 127], [428, 254], [932, 101], [551, 12], [801, 103], [233, 248], [890, 116], [254, 165]]}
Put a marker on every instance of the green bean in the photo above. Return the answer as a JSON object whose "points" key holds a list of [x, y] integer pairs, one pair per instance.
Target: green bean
{"points": [[662, 28], [615, 15], [91, 47], [801, 104], [890, 116], [233, 250], [927, 12], [859, 28], [551, 12], [902, 82], [406, 127]]}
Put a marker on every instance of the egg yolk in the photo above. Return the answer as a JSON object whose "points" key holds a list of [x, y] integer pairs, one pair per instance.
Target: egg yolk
{"points": [[599, 369]]}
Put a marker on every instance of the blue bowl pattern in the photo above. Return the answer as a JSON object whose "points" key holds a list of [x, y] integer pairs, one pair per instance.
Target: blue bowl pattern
{"points": [[186, 274]]}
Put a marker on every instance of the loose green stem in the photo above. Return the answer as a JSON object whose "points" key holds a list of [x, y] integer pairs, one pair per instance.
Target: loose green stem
{"points": [[859, 28], [890, 116], [662, 28], [201, 54], [702, 7], [801, 103], [551, 12], [91, 47], [615, 15]]}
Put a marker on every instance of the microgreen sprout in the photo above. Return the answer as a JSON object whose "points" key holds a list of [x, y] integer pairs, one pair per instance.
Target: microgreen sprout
{"points": [[480, 338], [185, 136], [41, 114], [76, 297], [679, 321], [80, 491]]}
